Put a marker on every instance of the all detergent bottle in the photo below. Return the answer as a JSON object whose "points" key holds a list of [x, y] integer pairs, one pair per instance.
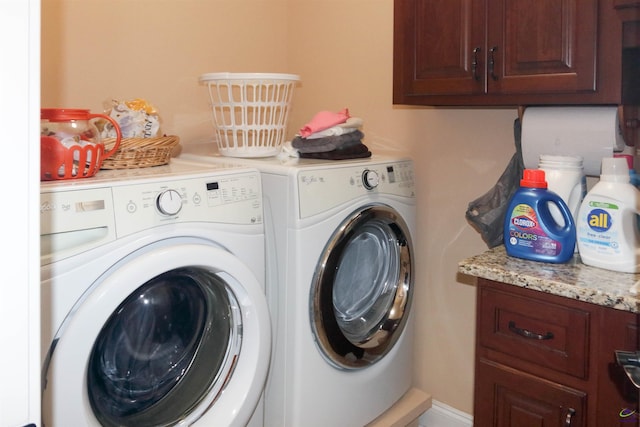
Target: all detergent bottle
{"points": [[607, 225], [530, 230]]}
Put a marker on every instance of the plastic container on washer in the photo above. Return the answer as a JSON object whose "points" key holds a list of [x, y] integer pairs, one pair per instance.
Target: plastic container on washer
{"points": [[530, 231], [607, 228]]}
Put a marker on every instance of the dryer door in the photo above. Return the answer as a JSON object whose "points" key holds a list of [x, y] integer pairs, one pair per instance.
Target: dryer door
{"points": [[362, 288], [178, 334]]}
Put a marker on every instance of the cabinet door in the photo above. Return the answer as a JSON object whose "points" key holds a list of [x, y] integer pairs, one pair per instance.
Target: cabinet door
{"points": [[439, 47], [546, 46], [506, 52], [507, 397]]}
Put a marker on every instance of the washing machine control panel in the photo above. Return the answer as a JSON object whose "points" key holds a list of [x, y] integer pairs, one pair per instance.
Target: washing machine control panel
{"points": [[227, 199], [75, 218], [322, 189]]}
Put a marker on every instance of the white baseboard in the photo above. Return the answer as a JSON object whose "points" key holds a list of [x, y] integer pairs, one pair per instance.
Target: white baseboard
{"points": [[441, 415]]}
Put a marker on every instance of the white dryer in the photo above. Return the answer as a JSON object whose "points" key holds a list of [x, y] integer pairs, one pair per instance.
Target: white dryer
{"points": [[339, 285], [153, 303]]}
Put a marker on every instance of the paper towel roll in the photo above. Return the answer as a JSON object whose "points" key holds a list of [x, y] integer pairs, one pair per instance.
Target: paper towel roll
{"points": [[589, 132]]}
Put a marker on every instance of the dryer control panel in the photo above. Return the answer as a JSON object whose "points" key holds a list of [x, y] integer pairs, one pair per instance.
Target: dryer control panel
{"points": [[325, 188]]}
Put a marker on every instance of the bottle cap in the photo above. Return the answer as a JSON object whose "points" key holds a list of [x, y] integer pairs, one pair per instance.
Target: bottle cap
{"points": [[627, 157], [614, 169], [560, 162], [533, 178]]}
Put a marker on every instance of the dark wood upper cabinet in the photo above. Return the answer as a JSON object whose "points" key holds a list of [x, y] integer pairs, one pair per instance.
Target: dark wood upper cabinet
{"points": [[506, 52]]}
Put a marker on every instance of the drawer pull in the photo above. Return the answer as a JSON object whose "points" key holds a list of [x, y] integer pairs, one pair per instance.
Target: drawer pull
{"points": [[570, 413], [528, 334]]}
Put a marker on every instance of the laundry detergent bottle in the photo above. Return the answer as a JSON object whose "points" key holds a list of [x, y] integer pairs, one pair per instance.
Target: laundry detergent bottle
{"points": [[530, 230], [607, 226]]}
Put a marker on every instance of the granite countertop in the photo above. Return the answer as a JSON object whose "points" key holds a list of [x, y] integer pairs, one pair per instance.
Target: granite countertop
{"points": [[571, 280]]}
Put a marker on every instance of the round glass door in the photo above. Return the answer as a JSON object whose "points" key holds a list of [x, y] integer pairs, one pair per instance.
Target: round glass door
{"points": [[163, 349], [362, 288]]}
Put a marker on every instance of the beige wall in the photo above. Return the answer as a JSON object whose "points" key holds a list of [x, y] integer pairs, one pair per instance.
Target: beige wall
{"points": [[96, 50]]}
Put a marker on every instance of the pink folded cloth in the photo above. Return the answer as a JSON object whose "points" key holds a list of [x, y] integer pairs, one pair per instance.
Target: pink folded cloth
{"points": [[324, 120]]}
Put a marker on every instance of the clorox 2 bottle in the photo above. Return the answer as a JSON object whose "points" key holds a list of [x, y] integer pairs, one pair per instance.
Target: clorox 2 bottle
{"points": [[607, 228], [530, 230]]}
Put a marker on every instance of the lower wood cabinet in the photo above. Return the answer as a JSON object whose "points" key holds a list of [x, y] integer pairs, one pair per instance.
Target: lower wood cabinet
{"points": [[546, 360], [521, 399]]}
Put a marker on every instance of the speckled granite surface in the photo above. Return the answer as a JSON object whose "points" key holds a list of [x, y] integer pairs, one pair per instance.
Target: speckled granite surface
{"points": [[571, 280]]}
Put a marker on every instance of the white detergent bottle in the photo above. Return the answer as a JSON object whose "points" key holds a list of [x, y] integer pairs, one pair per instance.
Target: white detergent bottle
{"points": [[565, 177], [607, 229]]}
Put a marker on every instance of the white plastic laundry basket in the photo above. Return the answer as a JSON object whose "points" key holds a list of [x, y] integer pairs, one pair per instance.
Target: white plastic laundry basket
{"points": [[250, 111]]}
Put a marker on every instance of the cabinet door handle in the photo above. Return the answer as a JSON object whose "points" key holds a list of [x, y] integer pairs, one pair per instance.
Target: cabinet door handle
{"points": [[632, 123], [492, 62], [474, 64], [528, 334], [570, 413]]}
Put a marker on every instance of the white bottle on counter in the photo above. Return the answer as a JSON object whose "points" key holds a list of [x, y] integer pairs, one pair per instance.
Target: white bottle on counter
{"points": [[607, 229], [565, 177]]}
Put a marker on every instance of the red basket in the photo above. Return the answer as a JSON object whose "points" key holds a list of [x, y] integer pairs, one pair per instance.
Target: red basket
{"points": [[60, 162]]}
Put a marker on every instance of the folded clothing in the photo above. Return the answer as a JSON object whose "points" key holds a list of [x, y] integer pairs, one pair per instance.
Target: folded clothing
{"points": [[358, 151], [351, 125], [328, 143], [324, 120]]}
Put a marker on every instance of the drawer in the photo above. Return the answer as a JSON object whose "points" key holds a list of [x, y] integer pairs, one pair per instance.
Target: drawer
{"points": [[529, 329]]}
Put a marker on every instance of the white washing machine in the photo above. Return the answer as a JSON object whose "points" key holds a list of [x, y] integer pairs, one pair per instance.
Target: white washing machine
{"points": [[153, 301], [339, 285]]}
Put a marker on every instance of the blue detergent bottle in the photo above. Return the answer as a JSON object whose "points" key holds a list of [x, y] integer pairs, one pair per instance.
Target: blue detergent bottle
{"points": [[530, 230]]}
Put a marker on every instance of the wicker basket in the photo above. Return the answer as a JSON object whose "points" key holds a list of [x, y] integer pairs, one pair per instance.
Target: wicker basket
{"points": [[140, 152]]}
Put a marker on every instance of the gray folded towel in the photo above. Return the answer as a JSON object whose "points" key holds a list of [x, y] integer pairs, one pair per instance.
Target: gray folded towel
{"points": [[357, 151], [328, 143]]}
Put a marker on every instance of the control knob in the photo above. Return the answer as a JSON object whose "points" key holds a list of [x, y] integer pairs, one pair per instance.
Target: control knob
{"points": [[169, 202], [370, 179]]}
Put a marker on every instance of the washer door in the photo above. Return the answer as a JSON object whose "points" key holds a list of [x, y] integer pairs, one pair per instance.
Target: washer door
{"points": [[170, 336], [362, 288]]}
